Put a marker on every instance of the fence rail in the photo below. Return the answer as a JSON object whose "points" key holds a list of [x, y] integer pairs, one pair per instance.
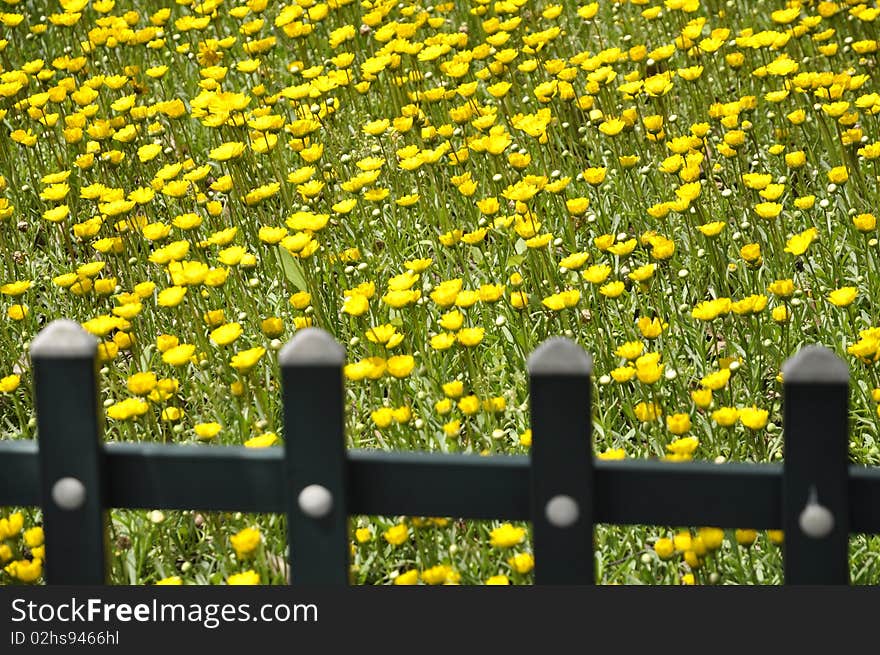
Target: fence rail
{"points": [[816, 496]]}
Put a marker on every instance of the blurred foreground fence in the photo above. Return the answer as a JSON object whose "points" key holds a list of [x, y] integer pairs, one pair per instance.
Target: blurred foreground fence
{"points": [[816, 497]]}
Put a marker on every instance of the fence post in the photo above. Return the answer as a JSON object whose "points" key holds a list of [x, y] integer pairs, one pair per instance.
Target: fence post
{"points": [[69, 423], [815, 479], [314, 432], [562, 462]]}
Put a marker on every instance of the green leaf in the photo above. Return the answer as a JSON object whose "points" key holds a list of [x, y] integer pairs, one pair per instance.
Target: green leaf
{"points": [[292, 270]]}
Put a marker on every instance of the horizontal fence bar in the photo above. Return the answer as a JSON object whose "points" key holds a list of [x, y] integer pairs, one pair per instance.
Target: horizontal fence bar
{"points": [[19, 473], [231, 478], [733, 495], [627, 492], [864, 499], [437, 484]]}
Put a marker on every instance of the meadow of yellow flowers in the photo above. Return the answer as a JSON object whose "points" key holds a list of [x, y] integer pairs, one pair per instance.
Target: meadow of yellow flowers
{"points": [[685, 187]]}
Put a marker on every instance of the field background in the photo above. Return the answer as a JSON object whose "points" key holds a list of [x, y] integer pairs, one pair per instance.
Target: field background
{"points": [[686, 188]]}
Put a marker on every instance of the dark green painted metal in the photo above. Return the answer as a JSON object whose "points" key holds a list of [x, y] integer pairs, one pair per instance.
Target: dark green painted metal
{"points": [[864, 499], [688, 494], [69, 429], [627, 492], [816, 456], [761, 496], [561, 466], [233, 478], [314, 430], [19, 473], [437, 484]]}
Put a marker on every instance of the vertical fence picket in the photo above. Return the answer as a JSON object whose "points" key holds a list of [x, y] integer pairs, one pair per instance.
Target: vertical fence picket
{"points": [[562, 463], [815, 479], [314, 431], [64, 360]]}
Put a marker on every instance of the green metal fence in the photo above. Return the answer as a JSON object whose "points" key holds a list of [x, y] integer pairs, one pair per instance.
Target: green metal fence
{"points": [[816, 497]]}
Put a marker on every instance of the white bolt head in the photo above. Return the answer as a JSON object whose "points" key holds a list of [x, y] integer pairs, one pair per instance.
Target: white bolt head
{"points": [[315, 501], [816, 520], [562, 511], [69, 493]]}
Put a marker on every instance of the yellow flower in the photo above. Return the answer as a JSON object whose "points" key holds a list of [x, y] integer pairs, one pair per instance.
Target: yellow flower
{"points": [[128, 408], [678, 424], [746, 537], [768, 209], [651, 328], [865, 222], [25, 570], [838, 175], [171, 297], [562, 300], [272, 327], [612, 454], [469, 405], [396, 534], [522, 563], [262, 440], [646, 412], [594, 176], [471, 336], [612, 289], [226, 334], [410, 577], [227, 151], [172, 580], [246, 359], [702, 398], [685, 445], [400, 365], [249, 577], [436, 574], [597, 273], [442, 341], [207, 431], [8, 384], [382, 417], [712, 538], [34, 537], [498, 580], [725, 416], [753, 418], [15, 288], [506, 535], [141, 384], [843, 297], [664, 548], [17, 312], [798, 244], [179, 355], [245, 542], [709, 310], [712, 229], [717, 380], [782, 288]]}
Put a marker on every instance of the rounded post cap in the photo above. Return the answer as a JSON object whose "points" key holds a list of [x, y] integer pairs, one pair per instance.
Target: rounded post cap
{"points": [[62, 339], [815, 365], [312, 347], [560, 356]]}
